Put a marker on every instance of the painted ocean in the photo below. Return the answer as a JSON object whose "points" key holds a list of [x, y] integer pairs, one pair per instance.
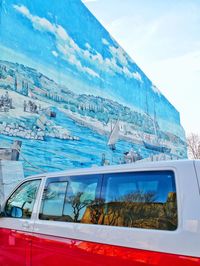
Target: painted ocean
{"points": [[56, 154]]}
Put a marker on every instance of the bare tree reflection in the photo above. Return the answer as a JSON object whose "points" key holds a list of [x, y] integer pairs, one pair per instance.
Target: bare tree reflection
{"points": [[134, 210], [96, 209], [77, 204]]}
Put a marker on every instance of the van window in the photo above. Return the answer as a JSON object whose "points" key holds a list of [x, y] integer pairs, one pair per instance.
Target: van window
{"points": [[81, 193], [53, 200], [22, 200], [68, 200], [142, 200]]}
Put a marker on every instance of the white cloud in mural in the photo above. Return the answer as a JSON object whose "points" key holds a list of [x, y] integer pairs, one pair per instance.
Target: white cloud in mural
{"points": [[105, 42], [134, 75], [156, 90], [22, 9], [88, 46], [137, 76], [119, 54], [55, 53], [69, 51], [38, 23], [65, 45], [99, 58]]}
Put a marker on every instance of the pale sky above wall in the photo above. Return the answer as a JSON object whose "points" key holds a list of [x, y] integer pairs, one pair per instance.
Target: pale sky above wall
{"points": [[163, 38]]}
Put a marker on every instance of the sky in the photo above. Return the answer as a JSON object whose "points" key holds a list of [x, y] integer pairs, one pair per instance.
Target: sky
{"points": [[163, 38]]}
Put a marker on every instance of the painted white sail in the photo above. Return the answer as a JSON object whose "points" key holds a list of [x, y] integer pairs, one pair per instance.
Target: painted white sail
{"points": [[41, 122], [114, 134]]}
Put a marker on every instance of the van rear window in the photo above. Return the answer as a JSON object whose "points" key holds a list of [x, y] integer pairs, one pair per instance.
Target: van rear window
{"points": [[142, 200]]}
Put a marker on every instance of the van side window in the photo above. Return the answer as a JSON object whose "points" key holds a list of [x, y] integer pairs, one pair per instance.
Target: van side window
{"points": [[21, 203], [142, 200], [69, 200], [53, 200], [81, 193]]}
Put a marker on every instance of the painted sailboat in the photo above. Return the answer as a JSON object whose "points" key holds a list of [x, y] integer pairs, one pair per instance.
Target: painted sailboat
{"points": [[114, 136], [155, 145], [41, 122]]}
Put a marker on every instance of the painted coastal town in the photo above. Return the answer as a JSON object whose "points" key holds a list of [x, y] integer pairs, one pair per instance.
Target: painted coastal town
{"points": [[76, 100], [73, 130]]}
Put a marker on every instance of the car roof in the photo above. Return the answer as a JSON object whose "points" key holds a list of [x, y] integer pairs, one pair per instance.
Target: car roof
{"points": [[137, 166]]}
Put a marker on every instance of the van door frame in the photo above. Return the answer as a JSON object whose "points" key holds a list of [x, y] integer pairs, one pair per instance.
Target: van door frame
{"points": [[18, 228]]}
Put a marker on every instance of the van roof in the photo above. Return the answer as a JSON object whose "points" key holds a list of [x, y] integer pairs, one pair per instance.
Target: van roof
{"points": [[137, 166]]}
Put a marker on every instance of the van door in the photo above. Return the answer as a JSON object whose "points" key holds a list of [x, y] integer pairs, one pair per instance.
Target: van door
{"points": [[16, 225], [64, 207]]}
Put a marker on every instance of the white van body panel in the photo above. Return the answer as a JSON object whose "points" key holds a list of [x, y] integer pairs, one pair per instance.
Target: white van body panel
{"points": [[197, 168], [185, 240]]}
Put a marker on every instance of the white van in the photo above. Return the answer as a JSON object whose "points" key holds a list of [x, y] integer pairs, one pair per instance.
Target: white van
{"points": [[136, 214]]}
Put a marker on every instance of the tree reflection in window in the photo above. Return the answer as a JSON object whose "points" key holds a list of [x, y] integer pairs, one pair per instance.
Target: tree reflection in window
{"points": [[141, 200], [151, 205], [81, 193]]}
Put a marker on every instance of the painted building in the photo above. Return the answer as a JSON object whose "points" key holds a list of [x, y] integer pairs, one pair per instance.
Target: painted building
{"points": [[73, 96]]}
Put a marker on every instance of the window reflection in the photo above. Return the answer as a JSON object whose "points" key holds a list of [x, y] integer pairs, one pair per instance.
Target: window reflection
{"points": [[24, 198], [80, 195], [141, 200]]}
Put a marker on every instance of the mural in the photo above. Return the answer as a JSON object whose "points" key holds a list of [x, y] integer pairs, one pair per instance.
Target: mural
{"points": [[71, 97]]}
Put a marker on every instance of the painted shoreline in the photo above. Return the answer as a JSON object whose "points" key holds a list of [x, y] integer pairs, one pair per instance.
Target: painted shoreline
{"points": [[33, 133]]}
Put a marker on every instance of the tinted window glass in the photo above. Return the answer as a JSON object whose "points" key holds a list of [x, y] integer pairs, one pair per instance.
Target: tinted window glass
{"points": [[142, 200], [69, 200], [20, 204], [53, 200], [81, 193]]}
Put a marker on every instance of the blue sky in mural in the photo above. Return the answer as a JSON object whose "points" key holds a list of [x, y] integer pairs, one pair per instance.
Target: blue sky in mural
{"points": [[60, 47], [48, 42]]}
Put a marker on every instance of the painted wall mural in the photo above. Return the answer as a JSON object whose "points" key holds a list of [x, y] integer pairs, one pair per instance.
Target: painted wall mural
{"points": [[72, 97]]}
